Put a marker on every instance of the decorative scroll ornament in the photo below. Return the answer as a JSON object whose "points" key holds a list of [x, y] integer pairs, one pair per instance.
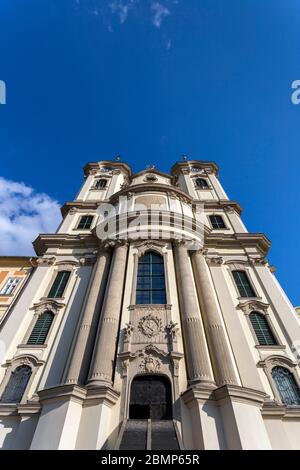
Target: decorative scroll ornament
{"points": [[150, 364], [150, 325]]}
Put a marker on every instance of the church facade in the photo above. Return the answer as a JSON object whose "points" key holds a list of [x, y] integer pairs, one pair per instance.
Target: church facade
{"points": [[152, 320]]}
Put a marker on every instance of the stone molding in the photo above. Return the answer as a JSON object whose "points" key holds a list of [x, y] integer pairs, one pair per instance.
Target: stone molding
{"points": [[253, 305], [218, 396], [47, 304], [82, 395]]}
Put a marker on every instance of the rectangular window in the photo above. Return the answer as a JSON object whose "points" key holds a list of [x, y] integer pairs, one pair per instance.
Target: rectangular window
{"points": [[85, 222], [101, 184], [217, 221], [243, 284], [10, 286], [59, 284]]}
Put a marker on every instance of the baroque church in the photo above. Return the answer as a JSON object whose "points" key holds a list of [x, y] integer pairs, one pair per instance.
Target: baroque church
{"points": [[152, 320]]}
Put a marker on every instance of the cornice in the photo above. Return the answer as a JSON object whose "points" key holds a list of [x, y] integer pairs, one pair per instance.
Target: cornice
{"points": [[223, 204], [272, 410], [212, 166], [115, 165], [255, 240], [155, 187], [86, 205], [17, 261], [59, 240], [152, 170]]}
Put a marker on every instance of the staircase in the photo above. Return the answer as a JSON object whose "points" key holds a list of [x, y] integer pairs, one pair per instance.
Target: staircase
{"points": [[148, 435]]}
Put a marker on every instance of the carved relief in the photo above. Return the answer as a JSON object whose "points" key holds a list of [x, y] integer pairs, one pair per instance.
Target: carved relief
{"points": [[150, 325], [150, 364]]}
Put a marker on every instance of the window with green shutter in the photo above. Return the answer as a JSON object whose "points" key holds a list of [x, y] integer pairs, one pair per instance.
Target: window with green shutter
{"points": [[243, 284], [262, 329], [59, 284], [41, 328]]}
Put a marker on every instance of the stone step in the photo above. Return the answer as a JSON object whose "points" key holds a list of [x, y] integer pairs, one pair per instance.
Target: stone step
{"points": [[135, 435], [163, 435]]}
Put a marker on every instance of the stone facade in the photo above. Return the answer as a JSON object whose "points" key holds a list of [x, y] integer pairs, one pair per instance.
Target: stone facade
{"points": [[78, 394]]}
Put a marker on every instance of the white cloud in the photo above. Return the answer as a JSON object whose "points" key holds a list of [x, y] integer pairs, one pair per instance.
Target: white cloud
{"points": [[160, 12], [23, 215], [122, 8]]}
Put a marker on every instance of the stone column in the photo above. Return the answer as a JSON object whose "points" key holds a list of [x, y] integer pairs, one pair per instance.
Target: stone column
{"points": [[104, 353], [197, 357], [211, 315], [82, 353]]}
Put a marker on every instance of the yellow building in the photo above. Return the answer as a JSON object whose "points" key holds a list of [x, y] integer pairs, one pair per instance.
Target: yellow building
{"points": [[14, 273]]}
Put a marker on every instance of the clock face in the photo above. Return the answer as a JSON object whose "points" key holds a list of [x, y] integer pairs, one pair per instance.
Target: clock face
{"points": [[105, 168]]}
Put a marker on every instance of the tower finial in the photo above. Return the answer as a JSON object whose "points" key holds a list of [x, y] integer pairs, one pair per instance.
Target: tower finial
{"points": [[184, 158], [117, 158]]}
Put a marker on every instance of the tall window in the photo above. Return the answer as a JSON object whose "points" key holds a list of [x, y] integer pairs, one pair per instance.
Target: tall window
{"points": [[217, 221], [16, 386], [151, 287], [201, 183], [262, 329], [286, 386], [10, 285], [41, 328], [101, 184], [243, 284], [85, 222], [59, 284]]}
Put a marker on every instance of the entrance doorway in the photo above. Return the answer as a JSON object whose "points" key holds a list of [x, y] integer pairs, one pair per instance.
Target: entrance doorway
{"points": [[150, 397]]}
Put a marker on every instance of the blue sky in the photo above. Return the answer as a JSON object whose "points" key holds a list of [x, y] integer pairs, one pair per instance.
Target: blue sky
{"points": [[151, 80]]}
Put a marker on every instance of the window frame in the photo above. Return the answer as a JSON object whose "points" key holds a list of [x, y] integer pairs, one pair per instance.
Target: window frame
{"points": [[208, 187], [81, 217], [247, 272], [53, 278], [270, 327], [211, 223], [279, 361], [151, 290], [34, 323], [24, 359], [142, 248], [100, 178], [296, 380], [19, 278]]}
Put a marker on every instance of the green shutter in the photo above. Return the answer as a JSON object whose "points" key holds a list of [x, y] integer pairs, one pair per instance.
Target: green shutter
{"points": [[41, 328], [262, 329], [59, 284]]}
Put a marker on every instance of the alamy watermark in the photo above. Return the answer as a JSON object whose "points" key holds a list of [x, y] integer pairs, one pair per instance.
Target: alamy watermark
{"points": [[295, 97], [2, 92], [128, 221]]}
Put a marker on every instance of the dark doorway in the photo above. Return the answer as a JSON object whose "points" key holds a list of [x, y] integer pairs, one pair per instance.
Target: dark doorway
{"points": [[150, 397]]}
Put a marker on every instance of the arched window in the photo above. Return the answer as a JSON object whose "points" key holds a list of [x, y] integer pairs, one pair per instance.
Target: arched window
{"points": [[262, 329], [101, 184], [16, 385], [286, 386], [59, 284], [41, 328], [201, 183], [151, 287]]}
